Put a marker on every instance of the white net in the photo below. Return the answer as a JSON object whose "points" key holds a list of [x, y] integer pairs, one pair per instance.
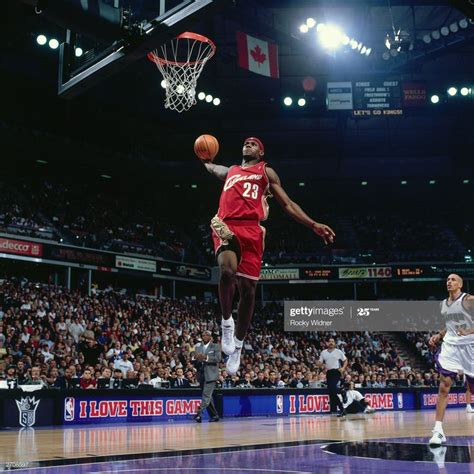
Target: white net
{"points": [[181, 63]]}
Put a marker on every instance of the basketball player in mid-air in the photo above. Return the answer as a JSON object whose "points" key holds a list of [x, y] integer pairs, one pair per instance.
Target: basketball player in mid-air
{"points": [[239, 238], [457, 348]]}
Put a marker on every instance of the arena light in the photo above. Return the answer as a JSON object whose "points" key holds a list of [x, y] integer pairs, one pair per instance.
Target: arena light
{"points": [[163, 84], [310, 22], [41, 40], [216, 101], [465, 181], [201, 95], [434, 99], [445, 31], [427, 39], [386, 55], [209, 98], [452, 91], [354, 43], [463, 23], [301, 102], [454, 28], [464, 91], [403, 182], [53, 43], [435, 35], [106, 176], [78, 52], [363, 183], [287, 101], [320, 27], [41, 162], [301, 185], [304, 28], [194, 186], [363, 50], [331, 37], [345, 40], [432, 181], [369, 50]]}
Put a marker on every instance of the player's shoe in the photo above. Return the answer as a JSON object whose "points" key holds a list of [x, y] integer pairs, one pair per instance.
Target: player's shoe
{"points": [[222, 230], [233, 362], [469, 409], [228, 343], [369, 410], [437, 439]]}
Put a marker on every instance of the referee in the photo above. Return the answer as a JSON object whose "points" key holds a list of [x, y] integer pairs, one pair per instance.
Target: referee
{"points": [[332, 358]]}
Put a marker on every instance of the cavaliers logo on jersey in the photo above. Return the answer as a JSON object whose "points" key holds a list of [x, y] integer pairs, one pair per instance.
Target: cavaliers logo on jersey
{"points": [[237, 178]]}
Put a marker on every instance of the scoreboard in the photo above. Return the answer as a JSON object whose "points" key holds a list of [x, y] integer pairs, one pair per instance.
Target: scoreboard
{"points": [[377, 98]]}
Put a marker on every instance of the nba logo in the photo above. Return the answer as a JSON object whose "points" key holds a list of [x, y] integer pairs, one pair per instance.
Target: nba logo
{"points": [[279, 403], [400, 400], [69, 409]]}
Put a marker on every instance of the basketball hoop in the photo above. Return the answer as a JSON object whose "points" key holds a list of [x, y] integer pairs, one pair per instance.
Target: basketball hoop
{"points": [[181, 63]]}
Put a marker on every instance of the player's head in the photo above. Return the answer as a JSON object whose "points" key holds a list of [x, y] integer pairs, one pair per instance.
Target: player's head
{"points": [[253, 149], [454, 282]]}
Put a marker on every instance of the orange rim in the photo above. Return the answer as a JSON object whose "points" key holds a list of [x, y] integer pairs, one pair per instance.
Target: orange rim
{"points": [[186, 35]]}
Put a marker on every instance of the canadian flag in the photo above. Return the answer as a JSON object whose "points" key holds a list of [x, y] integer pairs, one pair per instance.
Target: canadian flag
{"points": [[257, 55]]}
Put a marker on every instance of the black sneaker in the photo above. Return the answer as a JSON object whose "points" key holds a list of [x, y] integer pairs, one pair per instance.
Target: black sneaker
{"points": [[197, 418], [341, 414], [214, 419]]}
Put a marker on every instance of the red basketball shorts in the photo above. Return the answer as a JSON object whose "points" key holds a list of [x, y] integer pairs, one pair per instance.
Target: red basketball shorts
{"points": [[251, 238]]}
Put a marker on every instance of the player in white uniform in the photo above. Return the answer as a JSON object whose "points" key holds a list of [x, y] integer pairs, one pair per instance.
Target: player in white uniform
{"points": [[457, 350]]}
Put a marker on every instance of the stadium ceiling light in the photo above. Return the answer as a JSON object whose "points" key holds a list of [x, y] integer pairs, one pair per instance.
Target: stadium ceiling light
{"points": [[454, 27], [432, 181], [287, 101], [345, 40], [320, 27], [53, 43], [363, 50], [354, 44], [403, 182], [41, 40], [464, 91], [209, 98], [304, 28], [41, 162], [201, 95], [302, 102], [106, 176], [452, 91], [427, 39], [301, 185], [216, 101], [78, 52], [386, 55], [434, 99], [463, 23], [465, 181], [194, 186], [445, 31], [310, 22], [369, 50], [435, 35], [363, 183], [163, 84]]}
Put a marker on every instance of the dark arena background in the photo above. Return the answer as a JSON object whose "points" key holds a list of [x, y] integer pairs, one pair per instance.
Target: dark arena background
{"points": [[108, 277]]}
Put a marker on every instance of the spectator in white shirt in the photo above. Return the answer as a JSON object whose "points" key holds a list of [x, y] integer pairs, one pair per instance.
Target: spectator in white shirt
{"points": [[123, 364]]}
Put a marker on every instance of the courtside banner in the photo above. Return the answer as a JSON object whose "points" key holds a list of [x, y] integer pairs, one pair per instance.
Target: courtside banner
{"points": [[299, 403], [21, 247], [363, 316], [267, 274], [456, 399], [129, 408]]}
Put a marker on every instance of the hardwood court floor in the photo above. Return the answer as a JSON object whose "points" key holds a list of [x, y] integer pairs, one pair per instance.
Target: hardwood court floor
{"points": [[41, 444]]}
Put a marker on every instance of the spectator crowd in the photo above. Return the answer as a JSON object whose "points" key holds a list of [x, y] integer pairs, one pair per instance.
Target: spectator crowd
{"points": [[58, 338]]}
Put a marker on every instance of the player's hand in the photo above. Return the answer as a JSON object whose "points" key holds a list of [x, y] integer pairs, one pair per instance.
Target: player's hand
{"points": [[434, 340], [462, 332], [324, 231]]}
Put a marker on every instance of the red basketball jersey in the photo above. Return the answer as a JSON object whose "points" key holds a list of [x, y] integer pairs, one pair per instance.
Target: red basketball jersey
{"points": [[245, 193]]}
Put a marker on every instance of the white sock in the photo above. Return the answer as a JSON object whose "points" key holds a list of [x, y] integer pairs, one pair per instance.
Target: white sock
{"points": [[438, 426], [238, 343], [227, 322]]}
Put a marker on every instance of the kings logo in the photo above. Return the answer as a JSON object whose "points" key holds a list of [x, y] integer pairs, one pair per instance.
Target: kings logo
{"points": [[27, 410]]}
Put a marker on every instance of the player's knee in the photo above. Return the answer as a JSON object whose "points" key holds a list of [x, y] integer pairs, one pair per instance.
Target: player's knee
{"points": [[248, 291], [227, 273], [445, 386]]}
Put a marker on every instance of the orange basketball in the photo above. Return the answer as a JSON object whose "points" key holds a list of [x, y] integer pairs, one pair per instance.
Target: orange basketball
{"points": [[206, 147]]}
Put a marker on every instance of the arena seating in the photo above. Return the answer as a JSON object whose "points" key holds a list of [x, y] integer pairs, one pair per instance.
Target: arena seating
{"points": [[145, 341]]}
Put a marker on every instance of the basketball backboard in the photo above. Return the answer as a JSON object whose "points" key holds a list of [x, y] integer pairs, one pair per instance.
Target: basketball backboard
{"points": [[140, 26]]}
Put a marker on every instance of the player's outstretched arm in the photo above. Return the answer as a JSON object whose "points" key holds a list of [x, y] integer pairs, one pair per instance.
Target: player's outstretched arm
{"points": [[218, 171], [295, 211]]}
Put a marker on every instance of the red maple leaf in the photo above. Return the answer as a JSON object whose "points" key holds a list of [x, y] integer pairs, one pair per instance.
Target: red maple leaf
{"points": [[257, 55]]}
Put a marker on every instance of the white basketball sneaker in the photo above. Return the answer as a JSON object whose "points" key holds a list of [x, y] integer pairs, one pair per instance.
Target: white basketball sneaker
{"points": [[437, 439], [228, 343], [469, 409], [233, 362]]}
